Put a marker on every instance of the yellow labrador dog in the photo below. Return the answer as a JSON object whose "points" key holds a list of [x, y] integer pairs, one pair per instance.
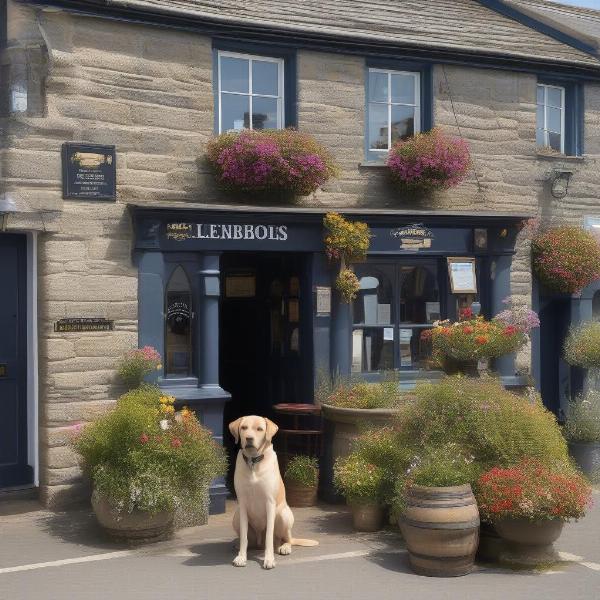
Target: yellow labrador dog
{"points": [[263, 516]]}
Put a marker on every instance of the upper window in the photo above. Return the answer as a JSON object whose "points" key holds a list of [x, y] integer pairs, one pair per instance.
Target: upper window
{"points": [[394, 111], [551, 117], [250, 92]]}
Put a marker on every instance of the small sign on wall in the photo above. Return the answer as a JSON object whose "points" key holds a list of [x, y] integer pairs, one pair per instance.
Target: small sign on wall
{"points": [[323, 300], [83, 324], [462, 275], [89, 172]]}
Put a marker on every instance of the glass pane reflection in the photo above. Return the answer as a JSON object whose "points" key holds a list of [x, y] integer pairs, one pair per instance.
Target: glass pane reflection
{"points": [[372, 349]]}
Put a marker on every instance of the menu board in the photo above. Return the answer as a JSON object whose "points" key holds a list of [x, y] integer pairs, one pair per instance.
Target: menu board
{"points": [[89, 172], [462, 275]]}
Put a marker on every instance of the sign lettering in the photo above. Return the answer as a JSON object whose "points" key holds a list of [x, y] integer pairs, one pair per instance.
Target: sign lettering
{"points": [[226, 231]]}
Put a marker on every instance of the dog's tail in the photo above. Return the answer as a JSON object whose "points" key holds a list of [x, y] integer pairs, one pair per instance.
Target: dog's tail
{"points": [[303, 542]]}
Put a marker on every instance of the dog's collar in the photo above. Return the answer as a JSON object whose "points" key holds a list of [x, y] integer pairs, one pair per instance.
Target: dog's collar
{"points": [[252, 461]]}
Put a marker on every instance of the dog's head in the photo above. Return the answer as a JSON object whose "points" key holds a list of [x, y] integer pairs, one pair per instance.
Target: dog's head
{"points": [[253, 433]]}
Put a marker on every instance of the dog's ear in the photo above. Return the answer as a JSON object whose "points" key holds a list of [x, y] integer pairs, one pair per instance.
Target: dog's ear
{"points": [[234, 428], [271, 430]]}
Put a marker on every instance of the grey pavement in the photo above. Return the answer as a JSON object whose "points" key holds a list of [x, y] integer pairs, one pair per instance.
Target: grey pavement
{"points": [[63, 556]]}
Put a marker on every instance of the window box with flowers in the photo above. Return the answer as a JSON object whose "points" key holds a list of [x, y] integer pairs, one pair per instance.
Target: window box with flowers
{"points": [[273, 162]]}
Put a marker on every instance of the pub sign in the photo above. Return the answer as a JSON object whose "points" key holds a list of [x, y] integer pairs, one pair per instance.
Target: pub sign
{"points": [[89, 172]]}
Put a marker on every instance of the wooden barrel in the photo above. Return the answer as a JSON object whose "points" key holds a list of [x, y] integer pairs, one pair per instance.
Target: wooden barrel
{"points": [[300, 495], [441, 529]]}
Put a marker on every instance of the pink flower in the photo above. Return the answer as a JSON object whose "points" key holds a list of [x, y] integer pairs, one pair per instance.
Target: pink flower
{"points": [[144, 438]]}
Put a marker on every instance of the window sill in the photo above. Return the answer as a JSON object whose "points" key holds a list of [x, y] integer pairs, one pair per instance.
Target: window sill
{"points": [[560, 157], [372, 164]]}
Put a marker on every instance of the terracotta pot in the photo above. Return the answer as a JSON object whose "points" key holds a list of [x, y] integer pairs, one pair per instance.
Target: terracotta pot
{"points": [[441, 528], [587, 457], [135, 527], [529, 542], [367, 517], [300, 495]]}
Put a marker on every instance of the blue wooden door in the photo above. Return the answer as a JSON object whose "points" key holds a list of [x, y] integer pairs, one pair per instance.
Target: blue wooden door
{"points": [[14, 469]]}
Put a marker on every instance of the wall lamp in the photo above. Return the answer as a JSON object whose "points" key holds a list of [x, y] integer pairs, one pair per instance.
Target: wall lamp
{"points": [[7, 207], [559, 182]]}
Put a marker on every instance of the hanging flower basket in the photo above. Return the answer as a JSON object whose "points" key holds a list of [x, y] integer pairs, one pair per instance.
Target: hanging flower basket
{"points": [[566, 259], [280, 161], [429, 161]]}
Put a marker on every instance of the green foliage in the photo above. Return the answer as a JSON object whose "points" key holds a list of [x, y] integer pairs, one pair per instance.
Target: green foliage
{"points": [[445, 466], [346, 240], [347, 285], [582, 346], [303, 470], [358, 481], [136, 364], [382, 394], [583, 418], [137, 464]]}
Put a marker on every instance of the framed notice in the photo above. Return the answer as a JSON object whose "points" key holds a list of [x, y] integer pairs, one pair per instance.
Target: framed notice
{"points": [[462, 275], [89, 172], [240, 286], [323, 301]]}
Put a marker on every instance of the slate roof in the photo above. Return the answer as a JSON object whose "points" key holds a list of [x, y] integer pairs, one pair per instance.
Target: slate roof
{"points": [[464, 25]]}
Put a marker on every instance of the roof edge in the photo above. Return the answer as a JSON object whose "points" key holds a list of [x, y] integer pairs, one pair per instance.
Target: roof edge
{"points": [[541, 26]]}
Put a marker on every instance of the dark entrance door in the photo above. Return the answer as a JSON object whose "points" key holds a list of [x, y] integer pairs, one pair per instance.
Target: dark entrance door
{"points": [[14, 469], [265, 345]]}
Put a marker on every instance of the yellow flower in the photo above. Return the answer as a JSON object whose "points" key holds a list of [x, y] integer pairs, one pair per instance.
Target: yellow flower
{"points": [[164, 399], [170, 409], [158, 367]]}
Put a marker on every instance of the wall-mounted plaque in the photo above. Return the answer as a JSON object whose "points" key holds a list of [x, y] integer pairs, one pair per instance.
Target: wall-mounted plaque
{"points": [[413, 237], [462, 275], [83, 324], [89, 172], [323, 300]]}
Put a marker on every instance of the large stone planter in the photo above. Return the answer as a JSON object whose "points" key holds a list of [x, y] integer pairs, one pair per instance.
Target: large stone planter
{"points": [[529, 543], [137, 527], [342, 427], [587, 457], [441, 528]]}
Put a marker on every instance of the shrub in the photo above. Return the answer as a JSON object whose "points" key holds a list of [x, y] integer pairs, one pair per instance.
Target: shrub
{"points": [[136, 463], [383, 394], [273, 160], [303, 470], [473, 339], [566, 259], [358, 481], [582, 346], [531, 490], [136, 364], [583, 418], [429, 161]]}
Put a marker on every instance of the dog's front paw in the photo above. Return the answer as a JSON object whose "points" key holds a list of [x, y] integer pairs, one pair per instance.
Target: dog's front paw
{"points": [[285, 549], [269, 563], [239, 561]]}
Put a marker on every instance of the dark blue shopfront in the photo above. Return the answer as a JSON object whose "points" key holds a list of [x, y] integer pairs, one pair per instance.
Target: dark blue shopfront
{"points": [[242, 304]]}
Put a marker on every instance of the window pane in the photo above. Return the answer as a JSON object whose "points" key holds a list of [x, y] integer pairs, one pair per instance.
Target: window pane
{"points": [[403, 89], [378, 126], [554, 97], [540, 94], [264, 113], [378, 86], [178, 324], [265, 77], [540, 137], [554, 141], [373, 304], [419, 294], [235, 112], [234, 74], [403, 122], [553, 116], [372, 349]]}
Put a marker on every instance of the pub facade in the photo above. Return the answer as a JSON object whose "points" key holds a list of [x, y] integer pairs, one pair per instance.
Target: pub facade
{"points": [[115, 234]]}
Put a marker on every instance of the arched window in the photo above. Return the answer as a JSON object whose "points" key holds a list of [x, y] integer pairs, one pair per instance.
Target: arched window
{"points": [[178, 325]]}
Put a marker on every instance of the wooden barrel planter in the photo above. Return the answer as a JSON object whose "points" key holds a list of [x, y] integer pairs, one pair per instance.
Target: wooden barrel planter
{"points": [[441, 529], [300, 496]]}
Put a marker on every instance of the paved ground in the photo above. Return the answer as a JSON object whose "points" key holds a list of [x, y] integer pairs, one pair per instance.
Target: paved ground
{"points": [[52, 556]]}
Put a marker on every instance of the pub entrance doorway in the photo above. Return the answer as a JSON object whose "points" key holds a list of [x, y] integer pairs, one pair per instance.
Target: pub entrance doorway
{"points": [[265, 346]]}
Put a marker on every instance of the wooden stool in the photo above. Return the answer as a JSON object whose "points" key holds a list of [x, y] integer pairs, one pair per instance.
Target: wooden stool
{"points": [[312, 438]]}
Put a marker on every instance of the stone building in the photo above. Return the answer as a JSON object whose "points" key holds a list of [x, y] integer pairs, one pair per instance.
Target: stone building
{"points": [[155, 80]]}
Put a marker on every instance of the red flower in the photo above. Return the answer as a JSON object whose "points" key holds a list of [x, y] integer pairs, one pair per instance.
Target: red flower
{"points": [[176, 443], [144, 438], [467, 329], [465, 313], [510, 330], [481, 340]]}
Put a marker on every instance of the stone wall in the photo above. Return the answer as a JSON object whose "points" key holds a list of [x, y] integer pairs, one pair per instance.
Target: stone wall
{"points": [[149, 91]]}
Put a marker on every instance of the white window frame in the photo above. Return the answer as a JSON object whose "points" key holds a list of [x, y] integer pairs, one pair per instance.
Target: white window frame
{"points": [[280, 83], [545, 106], [417, 105]]}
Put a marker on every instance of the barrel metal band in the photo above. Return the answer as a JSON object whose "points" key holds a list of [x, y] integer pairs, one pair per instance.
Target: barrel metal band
{"points": [[426, 525]]}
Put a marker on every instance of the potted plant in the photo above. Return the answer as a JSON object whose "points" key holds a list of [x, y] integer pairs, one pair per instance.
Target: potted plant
{"points": [[136, 364], [349, 407], [566, 259], [429, 161], [301, 481], [146, 461], [271, 161], [529, 503], [348, 242], [438, 518], [361, 483], [582, 430], [582, 346], [458, 347]]}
